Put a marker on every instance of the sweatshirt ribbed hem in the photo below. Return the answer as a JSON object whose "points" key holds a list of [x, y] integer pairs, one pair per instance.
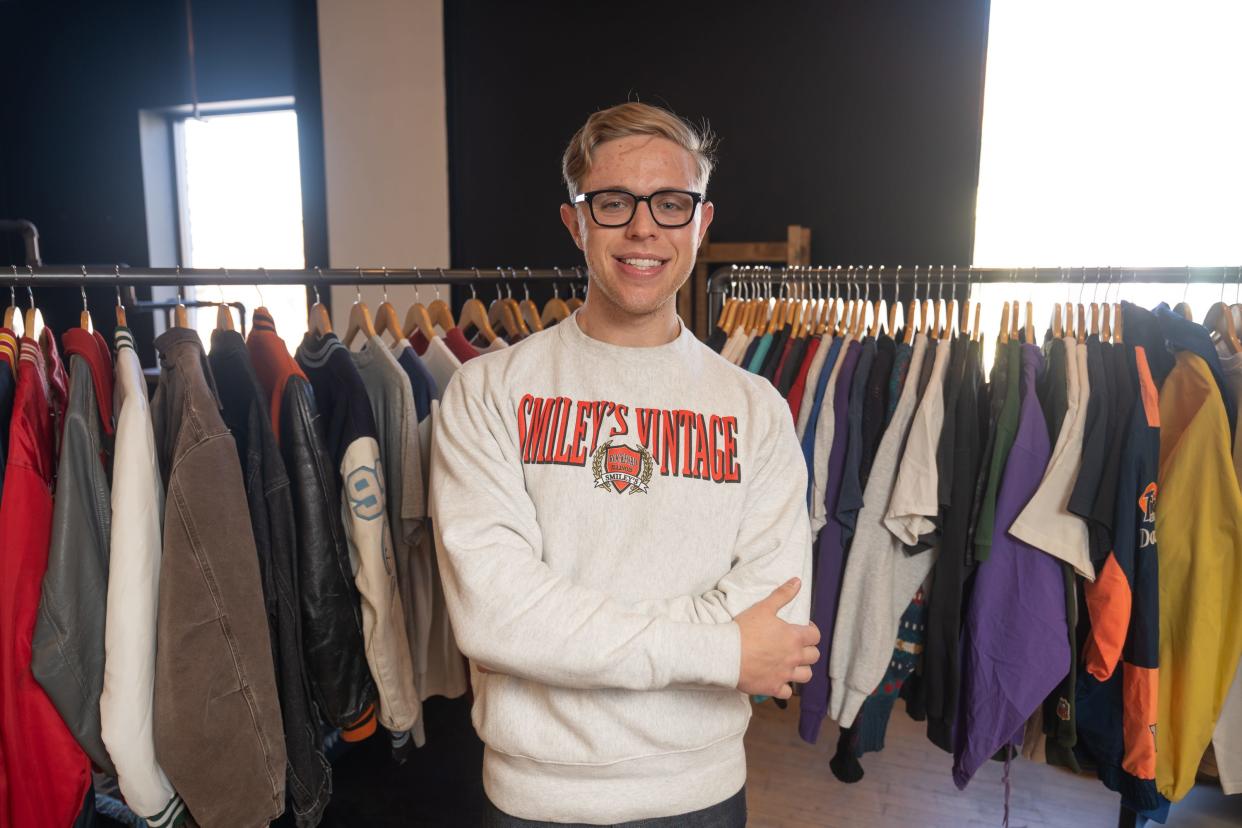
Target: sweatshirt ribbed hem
{"points": [[845, 702], [654, 786]]}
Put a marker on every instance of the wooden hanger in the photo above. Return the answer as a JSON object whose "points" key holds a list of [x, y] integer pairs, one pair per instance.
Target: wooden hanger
{"points": [[320, 321], [181, 319], [1004, 323], [224, 318], [515, 313], [1056, 320], [84, 318], [574, 302], [440, 312], [473, 314], [1082, 323], [1030, 323], [11, 310], [1118, 325], [557, 311], [386, 320], [1106, 325], [530, 314], [359, 321], [1219, 320], [975, 333], [120, 307], [32, 322]]}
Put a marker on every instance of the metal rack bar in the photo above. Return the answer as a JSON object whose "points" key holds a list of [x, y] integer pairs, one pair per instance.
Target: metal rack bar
{"points": [[956, 276], [53, 275]]}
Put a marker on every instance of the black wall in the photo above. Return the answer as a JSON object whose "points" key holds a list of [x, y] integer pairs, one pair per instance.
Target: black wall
{"points": [[75, 75], [859, 119]]}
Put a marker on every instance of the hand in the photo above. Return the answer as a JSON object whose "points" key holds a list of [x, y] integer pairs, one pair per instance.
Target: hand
{"points": [[775, 653]]}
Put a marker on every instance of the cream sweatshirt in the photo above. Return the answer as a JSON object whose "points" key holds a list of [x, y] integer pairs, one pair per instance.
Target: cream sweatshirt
{"points": [[603, 513]]}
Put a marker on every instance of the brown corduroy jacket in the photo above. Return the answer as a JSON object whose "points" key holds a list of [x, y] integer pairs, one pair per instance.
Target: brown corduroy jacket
{"points": [[218, 729]]}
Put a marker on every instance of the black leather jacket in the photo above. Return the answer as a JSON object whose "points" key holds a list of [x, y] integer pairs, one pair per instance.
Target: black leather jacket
{"points": [[331, 607], [268, 494]]}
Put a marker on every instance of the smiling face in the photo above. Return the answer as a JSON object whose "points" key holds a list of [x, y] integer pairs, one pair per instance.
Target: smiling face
{"points": [[637, 269]]}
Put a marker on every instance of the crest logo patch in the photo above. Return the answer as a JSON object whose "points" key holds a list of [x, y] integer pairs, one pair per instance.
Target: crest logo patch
{"points": [[621, 468]]}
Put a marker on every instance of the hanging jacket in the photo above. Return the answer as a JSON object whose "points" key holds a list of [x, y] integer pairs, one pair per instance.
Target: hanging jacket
{"points": [[68, 655], [8, 389], [125, 700], [47, 773], [1015, 641], [217, 717], [331, 609], [351, 441], [392, 405], [1117, 709], [308, 775], [1199, 525]]}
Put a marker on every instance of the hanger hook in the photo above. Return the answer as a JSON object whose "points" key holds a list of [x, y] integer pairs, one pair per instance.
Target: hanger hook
{"points": [[358, 285], [315, 284], [385, 277]]}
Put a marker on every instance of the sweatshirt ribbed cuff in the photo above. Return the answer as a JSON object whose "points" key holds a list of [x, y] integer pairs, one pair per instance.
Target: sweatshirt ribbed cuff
{"points": [[809, 724], [707, 654]]}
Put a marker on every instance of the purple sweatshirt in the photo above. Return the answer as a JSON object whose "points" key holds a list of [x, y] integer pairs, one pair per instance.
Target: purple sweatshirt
{"points": [[830, 562], [1015, 642]]}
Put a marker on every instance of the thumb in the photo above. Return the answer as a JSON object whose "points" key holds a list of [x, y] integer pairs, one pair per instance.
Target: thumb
{"points": [[784, 593]]}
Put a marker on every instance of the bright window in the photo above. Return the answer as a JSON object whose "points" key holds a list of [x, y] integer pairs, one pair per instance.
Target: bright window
{"points": [[242, 207], [1111, 137]]}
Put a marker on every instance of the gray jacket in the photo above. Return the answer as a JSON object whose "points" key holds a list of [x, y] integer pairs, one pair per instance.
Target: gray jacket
{"points": [[68, 647]]}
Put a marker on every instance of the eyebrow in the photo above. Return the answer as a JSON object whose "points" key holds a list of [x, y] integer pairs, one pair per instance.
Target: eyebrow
{"points": [[628, 190]]}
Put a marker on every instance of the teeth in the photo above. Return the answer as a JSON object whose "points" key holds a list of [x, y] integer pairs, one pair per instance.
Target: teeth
{"points": [[642, 262]]}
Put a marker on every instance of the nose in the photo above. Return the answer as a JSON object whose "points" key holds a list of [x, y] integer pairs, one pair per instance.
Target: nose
{"points": [[643, 225]]}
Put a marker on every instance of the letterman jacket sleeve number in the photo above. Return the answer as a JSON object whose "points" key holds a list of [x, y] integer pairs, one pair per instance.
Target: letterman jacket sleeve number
{"points": [[510, 611], [383, 622]]}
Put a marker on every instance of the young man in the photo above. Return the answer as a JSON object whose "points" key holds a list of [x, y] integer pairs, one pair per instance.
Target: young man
{"points": [[621, 517]]}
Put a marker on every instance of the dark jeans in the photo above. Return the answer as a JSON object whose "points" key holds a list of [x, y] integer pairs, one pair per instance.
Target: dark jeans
{"points": [[728, 814]]}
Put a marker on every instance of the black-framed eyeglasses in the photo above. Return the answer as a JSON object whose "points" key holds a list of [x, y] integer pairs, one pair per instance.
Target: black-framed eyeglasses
{"points": [[616, 208]]}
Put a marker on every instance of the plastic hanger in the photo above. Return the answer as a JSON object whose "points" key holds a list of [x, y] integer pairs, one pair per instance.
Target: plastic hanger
{"points": [[320, 321]]}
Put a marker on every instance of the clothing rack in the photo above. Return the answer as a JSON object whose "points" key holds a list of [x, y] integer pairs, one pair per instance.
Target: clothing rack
{"points": [[178, 276], [725, 279]]}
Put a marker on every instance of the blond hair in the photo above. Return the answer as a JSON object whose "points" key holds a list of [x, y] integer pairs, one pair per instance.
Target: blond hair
{"points": [[634, 118]]}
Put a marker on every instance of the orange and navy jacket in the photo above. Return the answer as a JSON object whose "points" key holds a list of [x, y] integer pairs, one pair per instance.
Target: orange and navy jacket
{"points": [[1117, 707]]}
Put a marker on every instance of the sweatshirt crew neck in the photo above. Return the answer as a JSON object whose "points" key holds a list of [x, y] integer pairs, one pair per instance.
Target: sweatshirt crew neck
{"points": [[649, 357]]}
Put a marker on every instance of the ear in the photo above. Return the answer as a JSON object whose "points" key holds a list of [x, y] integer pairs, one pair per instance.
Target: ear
{"points": [[706, 213], [569, 218]]}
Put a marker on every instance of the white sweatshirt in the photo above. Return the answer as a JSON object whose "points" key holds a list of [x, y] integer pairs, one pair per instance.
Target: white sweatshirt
{"points": [[603, 513], [880, 578]]}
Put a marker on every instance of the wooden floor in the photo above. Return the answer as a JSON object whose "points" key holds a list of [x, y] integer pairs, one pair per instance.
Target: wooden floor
{"points": [[909, 785]]}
